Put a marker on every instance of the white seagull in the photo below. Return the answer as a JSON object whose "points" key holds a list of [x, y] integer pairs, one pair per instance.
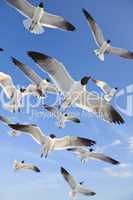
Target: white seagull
{"points": [[75, 187], [37, 18], [50, 143], [22, 165], [104, 45], [109, 92], [86, 155], [67, 85], [39, 86], [61, 117]]}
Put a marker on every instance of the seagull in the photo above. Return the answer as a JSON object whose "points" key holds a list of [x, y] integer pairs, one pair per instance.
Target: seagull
{"points": [[22, 165], [50, 143], [65, 83], [109, 92], [7, 121], [104, 45], [61, 117], [37, 18], [75, 187], [86, 155], [39, 87]]}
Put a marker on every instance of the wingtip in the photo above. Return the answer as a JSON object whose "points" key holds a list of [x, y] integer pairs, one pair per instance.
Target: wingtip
{"points": [[87, 14], [87, 142], [36, 169], [116, 117], [63, 170], [70, 27], [37, 56]]}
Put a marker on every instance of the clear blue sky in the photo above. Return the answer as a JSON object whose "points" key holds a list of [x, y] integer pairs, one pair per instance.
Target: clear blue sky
{"points": [[74, 49]]}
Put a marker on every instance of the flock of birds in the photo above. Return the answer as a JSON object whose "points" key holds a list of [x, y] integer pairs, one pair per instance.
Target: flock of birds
{"points": [[74, 93]]}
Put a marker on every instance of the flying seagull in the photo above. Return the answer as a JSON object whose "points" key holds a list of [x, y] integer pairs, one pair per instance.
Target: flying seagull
{"points": [[86, 155], [75, 187], [7, 121], [108, 91], [68, 86], [50, 143], [39, 86], [37, 18], [61, 117], [22, 165], [104, 45]]}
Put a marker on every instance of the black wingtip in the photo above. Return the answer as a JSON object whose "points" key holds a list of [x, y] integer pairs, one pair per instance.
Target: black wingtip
{"points": [[92, 193], [37, 56], [69, 26], [115, 162], [36, 169], [15, 61], [87, 142], [63, 171], [87, 14], [116, 117]]}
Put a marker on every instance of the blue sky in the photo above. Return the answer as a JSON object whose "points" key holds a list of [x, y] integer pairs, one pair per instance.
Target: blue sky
{"points": [[74, 49]]}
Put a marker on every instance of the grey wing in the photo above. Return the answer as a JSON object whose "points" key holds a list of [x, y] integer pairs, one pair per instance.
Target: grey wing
{"points": [[86, 191], [98, 106], [51, 88], [72, 142], [100, 156], [55, 69], [121, 52], [34, 131], [54, 21], [102, 85], [69, 179], [23, 7], [32, 76], [95, 29]]}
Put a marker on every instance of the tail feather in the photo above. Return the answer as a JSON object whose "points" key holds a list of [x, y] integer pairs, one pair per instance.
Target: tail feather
{"points": [[37, 29], [99, 55]]}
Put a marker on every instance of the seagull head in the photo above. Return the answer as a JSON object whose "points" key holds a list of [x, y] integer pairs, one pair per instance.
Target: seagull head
{"points": [[81, 183], [108, 41], [52, 136], [85, 80], [91, 150], [41, 5]]}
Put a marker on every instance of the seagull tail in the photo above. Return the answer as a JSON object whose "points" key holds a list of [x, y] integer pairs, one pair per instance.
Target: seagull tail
{"points": [[72, 193], [99, 55], [36, 29]]}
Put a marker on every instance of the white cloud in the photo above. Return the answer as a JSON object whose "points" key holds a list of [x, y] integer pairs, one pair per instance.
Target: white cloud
{"points": [[130, 144], [123, 171], [114, 143]]}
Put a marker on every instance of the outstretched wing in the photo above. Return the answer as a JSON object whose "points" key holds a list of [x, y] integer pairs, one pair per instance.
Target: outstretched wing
{"points": [[98, 106], [55, 69], [54, 21], [71, 142], [69, 179], [23, 7], [34, 131], [95, 29], [121, 52]]}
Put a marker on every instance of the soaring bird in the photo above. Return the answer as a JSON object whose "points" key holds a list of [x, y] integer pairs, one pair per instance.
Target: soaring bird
{"points": [[108, 91], [75, 91], [104, 45], [50, 143], [22, 165], [39, 86], [61, 117], [75, 187], [37, 18], [86, 155]]}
